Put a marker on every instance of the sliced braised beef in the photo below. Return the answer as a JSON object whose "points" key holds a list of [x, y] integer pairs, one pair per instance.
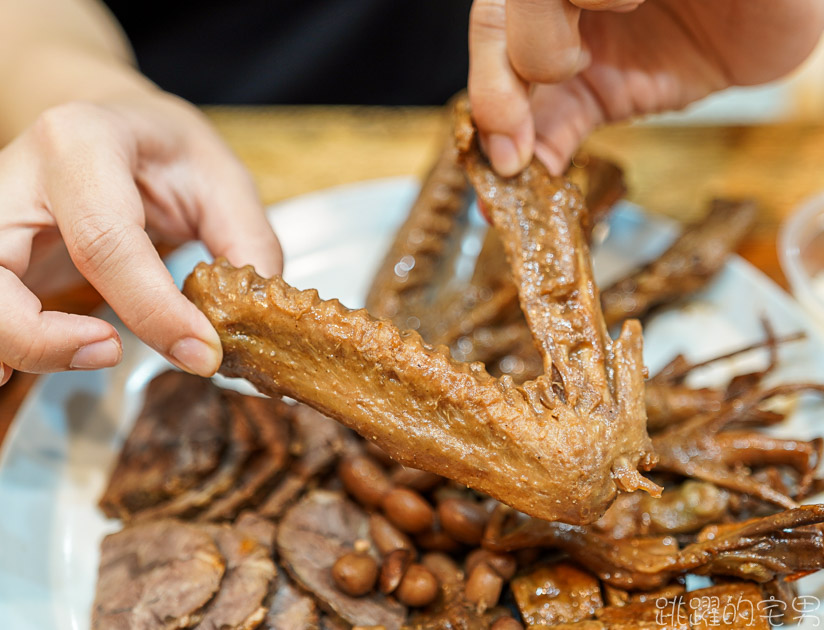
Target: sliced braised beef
{"points": [[240, 602], [319, 441], [176, 441], [156, 575], [312, 535], [270, 419], [290, 608], [242, 441]]}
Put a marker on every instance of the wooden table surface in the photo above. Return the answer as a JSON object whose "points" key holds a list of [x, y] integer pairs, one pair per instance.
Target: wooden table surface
{"points": [[670, 170]]}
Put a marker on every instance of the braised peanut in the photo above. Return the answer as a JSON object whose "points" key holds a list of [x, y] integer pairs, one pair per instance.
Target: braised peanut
{"points": [[463, 519], [483, 587], [503, 563], [408, 510], [386, 536], [393, 569], [355, 573], [437, 540], [443, 567], [364, 479], [418, 587]]}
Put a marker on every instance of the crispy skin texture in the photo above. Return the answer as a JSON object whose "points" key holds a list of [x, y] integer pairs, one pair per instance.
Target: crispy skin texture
{"points": [[557, 448], [689, 263]]}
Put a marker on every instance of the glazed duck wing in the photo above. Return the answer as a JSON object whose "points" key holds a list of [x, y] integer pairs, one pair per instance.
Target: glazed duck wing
{"points": [[557, 448]]}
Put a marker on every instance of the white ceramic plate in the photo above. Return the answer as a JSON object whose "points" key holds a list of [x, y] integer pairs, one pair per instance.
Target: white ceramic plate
{"points": [[66, 436]]}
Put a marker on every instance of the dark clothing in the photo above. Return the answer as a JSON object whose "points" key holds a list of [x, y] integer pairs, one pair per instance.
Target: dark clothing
{"points": [[389, 52]]}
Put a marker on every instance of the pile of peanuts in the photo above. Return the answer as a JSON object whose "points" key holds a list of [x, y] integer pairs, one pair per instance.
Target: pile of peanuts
{"points": [[402, 521]]}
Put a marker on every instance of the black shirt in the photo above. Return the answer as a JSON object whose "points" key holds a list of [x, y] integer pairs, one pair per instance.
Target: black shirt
{"points": [[389, 52]]}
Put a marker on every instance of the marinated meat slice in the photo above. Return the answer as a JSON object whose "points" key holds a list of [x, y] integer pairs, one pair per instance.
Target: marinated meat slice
{"points": [[290, 608], [757, 550], [240, 602], [618, 597], [258, 528], [556, 593], [401, 285], [312, 535], [270, 419], [684, 509], [735, 606], [176, 441], [240, 445], [320, 441], [558, 447], [688, 264], [156, 575]]}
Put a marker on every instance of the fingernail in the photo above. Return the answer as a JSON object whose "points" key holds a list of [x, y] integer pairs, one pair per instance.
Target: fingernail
{"points": [[5, 373], [503, 154], [94, 356], [195, 356]]}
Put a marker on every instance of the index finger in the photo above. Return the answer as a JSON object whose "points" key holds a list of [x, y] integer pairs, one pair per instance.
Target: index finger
{"points": [[98, 209]]}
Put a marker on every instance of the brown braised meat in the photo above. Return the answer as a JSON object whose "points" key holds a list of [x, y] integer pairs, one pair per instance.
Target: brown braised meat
{"points": [[556, 593], [700, 448], [404, 280], [313, 534], [156, 575], [240, 445], [176, 441], [240, 602], [558, 447], [756, 550], [268, 417], [319, 441], [684, 509], [670, 401], [689, 263], [290, 608]]}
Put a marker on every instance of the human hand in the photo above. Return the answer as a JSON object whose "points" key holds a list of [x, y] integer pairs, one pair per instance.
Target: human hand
{"points": [[544, 73], [100, 175]]}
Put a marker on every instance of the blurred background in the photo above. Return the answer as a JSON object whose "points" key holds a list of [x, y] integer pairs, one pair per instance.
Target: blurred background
{"points": [[799, 97]]}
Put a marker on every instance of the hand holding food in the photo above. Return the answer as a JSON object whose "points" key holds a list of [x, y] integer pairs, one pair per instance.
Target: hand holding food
{"points": [[101, 177], [544, 74], [98, 160]]}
